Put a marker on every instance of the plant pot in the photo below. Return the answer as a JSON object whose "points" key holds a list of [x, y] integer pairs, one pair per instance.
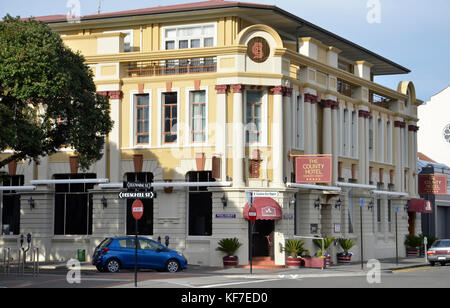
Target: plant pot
{"points": [[344, 258], [293, 262], [412, 252], [314, 262], [230, 261]]}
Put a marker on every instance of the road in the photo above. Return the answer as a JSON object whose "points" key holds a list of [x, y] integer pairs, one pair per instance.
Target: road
{"points": [[422, 277]]}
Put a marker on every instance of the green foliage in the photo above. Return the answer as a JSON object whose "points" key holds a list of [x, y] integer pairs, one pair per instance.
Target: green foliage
{"points": [[294, 248], [413, 241], [327, 241], [346, 244], [42, 81], [229, 246], [430, 239]]}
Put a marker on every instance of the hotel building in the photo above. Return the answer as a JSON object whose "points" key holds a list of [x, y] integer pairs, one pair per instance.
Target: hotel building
{"points": [[214, 99]]}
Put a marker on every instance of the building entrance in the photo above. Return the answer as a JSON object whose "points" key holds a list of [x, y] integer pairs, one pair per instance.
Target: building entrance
{"points": [[263, 238]]}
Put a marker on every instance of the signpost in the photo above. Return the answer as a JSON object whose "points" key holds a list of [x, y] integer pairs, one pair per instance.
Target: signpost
{"points": [[137, 209], [361, 223], [396, 235], [252, 218]]}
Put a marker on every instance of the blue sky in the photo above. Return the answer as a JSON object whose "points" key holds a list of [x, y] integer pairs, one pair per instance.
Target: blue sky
{"points": [[412, 33]]}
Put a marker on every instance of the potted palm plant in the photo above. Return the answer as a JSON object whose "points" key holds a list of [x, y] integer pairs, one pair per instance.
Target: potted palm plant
{"points": [[413, 244], [295, 249], [345, 257], [327, 241], [229, 246]]}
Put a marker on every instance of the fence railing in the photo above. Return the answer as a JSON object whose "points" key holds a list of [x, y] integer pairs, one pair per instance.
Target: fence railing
{"points": [[172, 67]]}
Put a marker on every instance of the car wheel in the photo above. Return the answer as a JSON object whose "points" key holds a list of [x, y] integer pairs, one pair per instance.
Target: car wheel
{"points": [[432, 263], [442, 263], [113, 265], [172, 266]]}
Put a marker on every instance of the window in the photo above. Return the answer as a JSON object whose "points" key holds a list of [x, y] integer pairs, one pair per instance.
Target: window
{"points": [[253, 132], [389, 215], [11, 206], [354, 132], [189, 36], [149, 245], [380, 141], [346, 134], [145, 225], [73, 206], [142, 119], [389, 142], [200, 204], [371, 139], [170, 117], [405, 146], [378, 215], [198, 116], [298, 122]]}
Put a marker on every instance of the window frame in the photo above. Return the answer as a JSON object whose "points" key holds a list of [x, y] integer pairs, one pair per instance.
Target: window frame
{"points": [[264, 115], [178, 38], [133, 123], [189, 120]]}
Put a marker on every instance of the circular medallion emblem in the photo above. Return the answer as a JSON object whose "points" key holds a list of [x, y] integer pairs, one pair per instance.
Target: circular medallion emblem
{"points": [[258, 49], [447, 133]]}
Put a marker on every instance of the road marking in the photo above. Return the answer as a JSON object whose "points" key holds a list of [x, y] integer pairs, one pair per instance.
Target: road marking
{"points": [[414, 269], [236, 283]]}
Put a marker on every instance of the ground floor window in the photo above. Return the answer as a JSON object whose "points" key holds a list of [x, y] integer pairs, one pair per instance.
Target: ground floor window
{"points": [[145, 224], [73, 205], [200, 204], [11, 206]]}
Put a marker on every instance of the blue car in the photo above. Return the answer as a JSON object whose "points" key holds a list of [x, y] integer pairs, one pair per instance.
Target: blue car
{"points": [[118, 253]]}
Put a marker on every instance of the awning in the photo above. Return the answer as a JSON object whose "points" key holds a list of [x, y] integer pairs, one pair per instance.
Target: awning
{"points": [[420, 205], [266, 209]]}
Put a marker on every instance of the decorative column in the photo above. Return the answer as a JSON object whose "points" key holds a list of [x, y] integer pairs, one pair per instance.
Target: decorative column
{"points": [[277, 136], [115, 159], [412, 129], [335, 141], [327, 147], [310, 101], [363, 140], [287, 128], [221, 128], [238, 135], [398, 155]]}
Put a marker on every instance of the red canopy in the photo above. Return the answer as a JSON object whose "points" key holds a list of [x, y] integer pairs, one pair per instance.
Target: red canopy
{"points": [[266, 209], [420, 205]]}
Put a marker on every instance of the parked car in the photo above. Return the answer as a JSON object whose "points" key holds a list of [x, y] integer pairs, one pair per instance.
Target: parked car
{"points": [[118, 253], [439, 252]]}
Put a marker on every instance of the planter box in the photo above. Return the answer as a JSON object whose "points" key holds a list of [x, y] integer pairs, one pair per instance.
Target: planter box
{"points": [[230, 261], [344, 259], [292, 262], [412, 252], [314, 262]]}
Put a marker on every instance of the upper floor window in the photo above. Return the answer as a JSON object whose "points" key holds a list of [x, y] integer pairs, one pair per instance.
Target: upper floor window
{"points": [[170, 117], [254, 117], [198, 116], [190, 36], [142, 119]]}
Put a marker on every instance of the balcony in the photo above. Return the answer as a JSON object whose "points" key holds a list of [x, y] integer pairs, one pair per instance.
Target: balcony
{"points": [[344, 88], [172, 67], [379, 100]]}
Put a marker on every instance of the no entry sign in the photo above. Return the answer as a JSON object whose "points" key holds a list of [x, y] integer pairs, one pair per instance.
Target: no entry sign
{"points": [[137, 209], [252, 214]]}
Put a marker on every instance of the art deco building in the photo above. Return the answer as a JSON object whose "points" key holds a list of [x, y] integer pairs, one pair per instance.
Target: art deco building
{"points": [[214, 99]]}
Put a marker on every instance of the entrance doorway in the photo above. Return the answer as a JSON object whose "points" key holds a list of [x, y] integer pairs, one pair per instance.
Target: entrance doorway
{"points": [[263, 237]]}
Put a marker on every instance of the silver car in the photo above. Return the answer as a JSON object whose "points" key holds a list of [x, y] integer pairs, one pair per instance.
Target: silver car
{"points": [[439, 252]]}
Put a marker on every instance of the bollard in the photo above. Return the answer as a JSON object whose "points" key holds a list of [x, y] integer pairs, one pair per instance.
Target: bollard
{"points": [[36, 261]]}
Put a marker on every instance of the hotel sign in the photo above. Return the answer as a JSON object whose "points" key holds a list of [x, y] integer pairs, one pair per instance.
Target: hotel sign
{"points": [[432, 184], [313, 169], [258, 49]]}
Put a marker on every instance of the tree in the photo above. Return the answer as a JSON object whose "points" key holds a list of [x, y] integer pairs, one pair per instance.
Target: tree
{"points": [[47, 96]]}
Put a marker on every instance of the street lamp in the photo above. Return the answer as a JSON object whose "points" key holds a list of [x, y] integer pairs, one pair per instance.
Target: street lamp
{"points": [[317, 203], [338, 204]]}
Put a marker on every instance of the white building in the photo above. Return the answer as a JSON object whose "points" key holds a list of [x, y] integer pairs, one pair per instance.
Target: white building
{"points": [[434, 132]]}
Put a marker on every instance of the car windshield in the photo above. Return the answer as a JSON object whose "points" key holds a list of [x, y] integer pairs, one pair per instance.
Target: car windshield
{"points": [[442, 243]]}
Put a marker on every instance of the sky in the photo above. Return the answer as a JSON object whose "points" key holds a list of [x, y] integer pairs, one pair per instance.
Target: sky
{"points": [[412, 33]]}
